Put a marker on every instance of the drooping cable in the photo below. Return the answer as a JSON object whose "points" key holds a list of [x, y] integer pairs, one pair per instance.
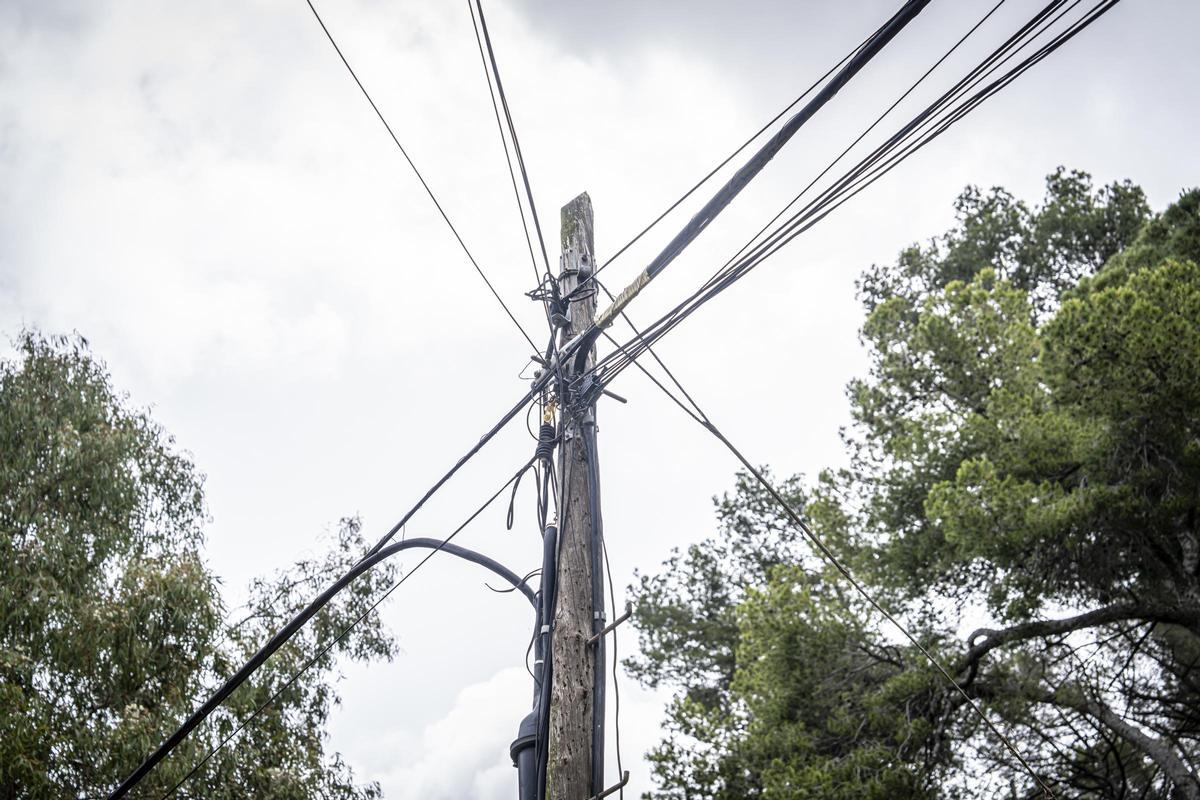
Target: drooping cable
{"points": [[421, 178], [293, 627]]}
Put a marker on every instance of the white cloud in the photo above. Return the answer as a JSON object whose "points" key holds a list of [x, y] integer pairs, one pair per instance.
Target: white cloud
{"points": [[201, 190], [463, 754]]}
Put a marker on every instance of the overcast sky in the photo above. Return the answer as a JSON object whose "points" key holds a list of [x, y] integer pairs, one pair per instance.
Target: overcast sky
{"points": [[201, 191]]}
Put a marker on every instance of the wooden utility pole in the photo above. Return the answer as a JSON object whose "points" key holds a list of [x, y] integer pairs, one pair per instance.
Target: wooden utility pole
{"points": [[575, 760]]}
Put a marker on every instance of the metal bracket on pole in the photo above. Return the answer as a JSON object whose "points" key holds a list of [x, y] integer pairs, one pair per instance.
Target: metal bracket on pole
{"points": [[609, 628], [614, 788]]}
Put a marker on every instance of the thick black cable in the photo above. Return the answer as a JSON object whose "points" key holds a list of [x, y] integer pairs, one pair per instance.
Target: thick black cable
{"points": [[814, 212], [421, 178], [920, 118], [914, 128], [730, 264], [759, 160], [289, 630], [755, 164], [724, 162]]}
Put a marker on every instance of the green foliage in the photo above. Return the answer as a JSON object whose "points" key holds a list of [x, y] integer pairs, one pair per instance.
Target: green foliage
{"points": [[1027, 447], [111, 625]]}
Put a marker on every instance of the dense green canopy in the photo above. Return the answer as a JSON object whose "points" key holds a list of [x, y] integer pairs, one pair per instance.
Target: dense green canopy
{"points": [[1025, 453], [112, 627]]}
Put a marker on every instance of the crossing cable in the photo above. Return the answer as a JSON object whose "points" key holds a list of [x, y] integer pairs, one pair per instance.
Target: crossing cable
{"points": [[740, 179], [504, 142], [674, 315], [421, 178], [925, 127], [512, 130], [290, 630], [732, 266]]}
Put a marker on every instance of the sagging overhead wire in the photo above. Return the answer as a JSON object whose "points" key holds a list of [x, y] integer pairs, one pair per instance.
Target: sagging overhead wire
{"points": [[927, 125], [294, 626], [421, 178]]}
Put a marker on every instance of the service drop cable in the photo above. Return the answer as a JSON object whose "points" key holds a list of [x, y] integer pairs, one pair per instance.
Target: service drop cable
{"points": [[836, 563], [293, 627], [421, 178]]}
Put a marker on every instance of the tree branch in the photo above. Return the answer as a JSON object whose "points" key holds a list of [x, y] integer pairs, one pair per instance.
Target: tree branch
{"points": [[1156, 750], [984, 640]]}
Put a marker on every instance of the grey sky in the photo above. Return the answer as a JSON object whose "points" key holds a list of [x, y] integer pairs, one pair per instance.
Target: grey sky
{"points": [[200, 190]]}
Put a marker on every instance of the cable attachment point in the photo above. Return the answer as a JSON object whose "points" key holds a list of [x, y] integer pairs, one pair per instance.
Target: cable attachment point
{"points": [[584, 392], [610, 628], [614, 788]]}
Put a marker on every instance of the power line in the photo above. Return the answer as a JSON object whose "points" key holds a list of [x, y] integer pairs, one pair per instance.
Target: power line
{"points": [[512, 131], [926, 126], [748, 171], [421, 178], [504, 143], [752, 138], [834, 561]]}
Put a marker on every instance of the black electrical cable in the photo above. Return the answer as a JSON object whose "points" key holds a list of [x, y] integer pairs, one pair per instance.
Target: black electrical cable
{"points": [[830, 199], [733, 260], [512, 131], [294, 626], [755, 164], [751, 168], [512, 174], [729, 264], [724, 162], [421, 178], [836, 563]]}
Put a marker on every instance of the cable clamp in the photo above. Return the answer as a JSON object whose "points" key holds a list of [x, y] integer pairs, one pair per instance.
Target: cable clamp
{"points": [[545, 629]]}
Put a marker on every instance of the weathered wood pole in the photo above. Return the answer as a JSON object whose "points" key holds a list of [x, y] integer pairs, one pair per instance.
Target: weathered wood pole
{"points": [[575, 722]]}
